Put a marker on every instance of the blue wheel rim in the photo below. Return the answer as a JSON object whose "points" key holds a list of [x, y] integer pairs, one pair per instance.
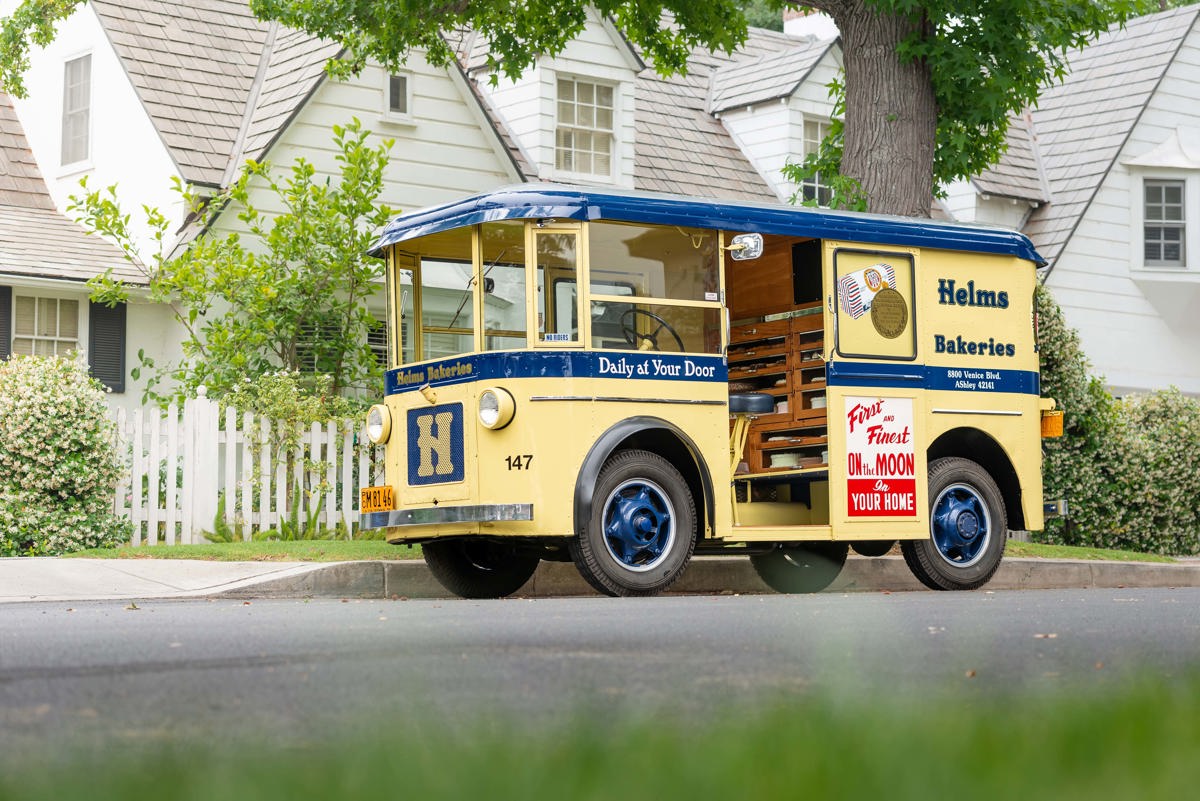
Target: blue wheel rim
{"points": [[639, 525], [961, 525]]}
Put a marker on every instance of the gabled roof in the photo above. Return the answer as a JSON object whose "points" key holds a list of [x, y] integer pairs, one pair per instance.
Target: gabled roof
{"points": [[193, 65], [295, 67], [1082, 123], [1019, 174], [21, 182], [768, 77], [219, 85], [684, 149], [679, 146], [35, 240]]}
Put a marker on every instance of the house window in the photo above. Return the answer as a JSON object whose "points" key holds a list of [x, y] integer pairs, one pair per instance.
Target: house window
{"points": [[397, 97], [813, 189], [77, 90], [310, 359], [1163, 224], [378, 340], [584, 134], [45, 326]]}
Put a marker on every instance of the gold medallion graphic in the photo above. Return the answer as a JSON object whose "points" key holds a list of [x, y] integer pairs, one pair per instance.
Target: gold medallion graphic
{"points": [[889, 313]]}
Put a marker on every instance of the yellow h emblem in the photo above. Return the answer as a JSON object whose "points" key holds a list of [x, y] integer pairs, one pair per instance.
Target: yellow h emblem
{"points": [[439, 444]]}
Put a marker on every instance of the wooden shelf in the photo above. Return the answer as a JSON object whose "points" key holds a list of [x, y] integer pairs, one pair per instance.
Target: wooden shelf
{"points": [[783, 358]]}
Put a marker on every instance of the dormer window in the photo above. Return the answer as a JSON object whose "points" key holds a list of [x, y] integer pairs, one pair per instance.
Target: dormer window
{"points": [[584, 131], [813, 189], [1163, 225], [1164, 206]]}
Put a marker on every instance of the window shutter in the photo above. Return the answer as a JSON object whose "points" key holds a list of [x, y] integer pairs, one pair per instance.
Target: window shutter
{"points": [[106, 344], [5, 322]]}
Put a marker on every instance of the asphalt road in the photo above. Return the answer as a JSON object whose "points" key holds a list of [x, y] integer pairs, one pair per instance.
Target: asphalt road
{"points": [[104, 675]]}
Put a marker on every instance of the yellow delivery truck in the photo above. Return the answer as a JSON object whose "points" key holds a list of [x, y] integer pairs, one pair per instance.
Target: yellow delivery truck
{"points": [[627, 380]]}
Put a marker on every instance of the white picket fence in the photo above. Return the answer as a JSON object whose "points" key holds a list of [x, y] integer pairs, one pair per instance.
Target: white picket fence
{"points": [[187, 464]]}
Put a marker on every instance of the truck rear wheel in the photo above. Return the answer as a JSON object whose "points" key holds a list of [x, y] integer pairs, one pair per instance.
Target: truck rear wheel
{"points": [[473, 568], [808, 567], [968, 528], [642, 528]]}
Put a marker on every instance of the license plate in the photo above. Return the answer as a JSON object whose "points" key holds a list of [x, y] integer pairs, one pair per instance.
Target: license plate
{"points": [[376, 499]]}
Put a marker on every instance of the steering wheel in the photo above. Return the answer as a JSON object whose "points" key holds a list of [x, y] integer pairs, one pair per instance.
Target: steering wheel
{"points": [[634, 336]]}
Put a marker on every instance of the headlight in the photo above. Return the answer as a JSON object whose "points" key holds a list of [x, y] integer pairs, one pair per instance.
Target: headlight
{"points": [[496, 408], [379, 424]]}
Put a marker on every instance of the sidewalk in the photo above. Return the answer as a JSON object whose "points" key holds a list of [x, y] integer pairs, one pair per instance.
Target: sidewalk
{"points": [[52, 579]]}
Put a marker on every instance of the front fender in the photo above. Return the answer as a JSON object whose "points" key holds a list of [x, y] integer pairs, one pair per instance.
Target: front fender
{"points": [[637, 428]]}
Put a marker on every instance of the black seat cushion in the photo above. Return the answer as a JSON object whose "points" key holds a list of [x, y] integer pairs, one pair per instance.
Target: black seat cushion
{"points": [[751, 403]]}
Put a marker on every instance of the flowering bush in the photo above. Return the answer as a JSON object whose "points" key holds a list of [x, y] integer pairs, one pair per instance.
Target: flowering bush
{"points": [[58, 461]]}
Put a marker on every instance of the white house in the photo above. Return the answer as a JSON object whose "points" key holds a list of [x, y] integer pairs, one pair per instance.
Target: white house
{"points": [[45, 261], [1104, 175], [136, 93]]}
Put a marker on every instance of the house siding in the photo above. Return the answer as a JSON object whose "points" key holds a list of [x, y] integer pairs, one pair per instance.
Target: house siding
{"points": [[527, 105], [1140, 332], [443, 154]]}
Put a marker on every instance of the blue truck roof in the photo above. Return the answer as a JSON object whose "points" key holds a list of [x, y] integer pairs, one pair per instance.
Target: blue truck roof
{"points": [[539, 200]]}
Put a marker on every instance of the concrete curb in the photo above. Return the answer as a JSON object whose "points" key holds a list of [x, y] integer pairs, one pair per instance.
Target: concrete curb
{"points": [[707, 576]]}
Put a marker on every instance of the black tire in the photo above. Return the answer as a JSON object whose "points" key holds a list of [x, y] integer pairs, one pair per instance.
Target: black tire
{"points": [[872, 547], [642, 528], [474, 568], [806, 567], [968, 528]]}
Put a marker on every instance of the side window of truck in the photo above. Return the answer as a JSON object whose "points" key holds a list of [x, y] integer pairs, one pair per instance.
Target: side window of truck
{"points": [[876, 315]]}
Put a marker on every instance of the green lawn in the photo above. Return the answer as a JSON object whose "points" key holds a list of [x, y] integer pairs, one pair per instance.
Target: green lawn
{"points": [[292, 551], [342, 551], [1117, 742], [1033, 549]]}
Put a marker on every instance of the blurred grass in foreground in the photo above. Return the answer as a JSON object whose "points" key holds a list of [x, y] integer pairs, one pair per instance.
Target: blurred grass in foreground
{"points": [[1122, 743]]}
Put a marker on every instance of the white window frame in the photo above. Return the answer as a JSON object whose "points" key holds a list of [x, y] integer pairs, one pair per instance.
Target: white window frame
{"points": [[811, 145], [1165, 221], [85, 110], [611, 131], [55, 338], [1191, 222], [387, 113]]}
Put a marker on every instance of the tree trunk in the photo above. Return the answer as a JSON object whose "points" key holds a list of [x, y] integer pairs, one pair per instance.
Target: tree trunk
{"points": [[891, 112]]}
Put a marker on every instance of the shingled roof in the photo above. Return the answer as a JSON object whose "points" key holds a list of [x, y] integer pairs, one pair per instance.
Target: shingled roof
{"points": [[193, 65], [681, 147], [295, 68], [35, 240], [770, 76], [1082, 123], [1019, 174]]}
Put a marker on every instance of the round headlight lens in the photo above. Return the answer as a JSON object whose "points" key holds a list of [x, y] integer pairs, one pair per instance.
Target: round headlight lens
{"points": [[489, 408], [496, 408], [379, 424]]}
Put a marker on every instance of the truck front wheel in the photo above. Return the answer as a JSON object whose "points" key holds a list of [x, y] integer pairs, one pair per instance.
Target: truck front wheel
{"points": [[968, 528], [642, 528]]}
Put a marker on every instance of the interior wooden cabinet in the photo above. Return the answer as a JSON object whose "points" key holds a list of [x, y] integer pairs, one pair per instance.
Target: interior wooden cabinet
{"points": [[777, 346]]}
